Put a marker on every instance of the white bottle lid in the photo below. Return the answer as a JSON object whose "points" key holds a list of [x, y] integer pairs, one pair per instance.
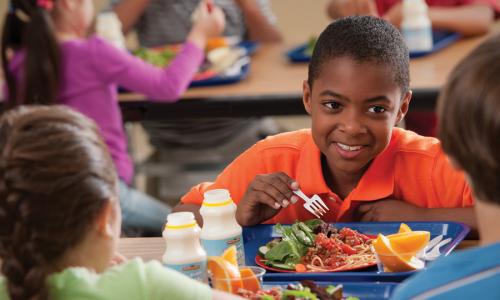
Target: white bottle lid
{"points": [[180, 220], [219, 197]]}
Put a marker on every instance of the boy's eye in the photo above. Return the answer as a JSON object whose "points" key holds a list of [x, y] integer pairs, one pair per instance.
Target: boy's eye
{"points": [[377, 109], [332, 105]]}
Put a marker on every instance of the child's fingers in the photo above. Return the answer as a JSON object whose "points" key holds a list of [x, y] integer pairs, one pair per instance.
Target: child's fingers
{"points": [[271, 185], [265, 198]]}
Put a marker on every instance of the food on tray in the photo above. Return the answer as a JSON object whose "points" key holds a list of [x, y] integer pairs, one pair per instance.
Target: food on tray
{"points": [[226, 276], [315, 246], [306, 289], [310, 46], [397, 252], [219, 58]]}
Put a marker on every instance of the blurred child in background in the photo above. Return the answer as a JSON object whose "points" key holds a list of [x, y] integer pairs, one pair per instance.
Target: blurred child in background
{"points": [[54, 61]]}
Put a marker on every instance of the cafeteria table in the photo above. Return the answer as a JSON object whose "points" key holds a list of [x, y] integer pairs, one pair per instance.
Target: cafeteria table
{"points": [[274, 87]]}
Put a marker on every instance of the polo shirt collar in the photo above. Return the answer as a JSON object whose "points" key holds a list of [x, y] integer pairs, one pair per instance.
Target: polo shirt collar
{"points": [[377, 182]]}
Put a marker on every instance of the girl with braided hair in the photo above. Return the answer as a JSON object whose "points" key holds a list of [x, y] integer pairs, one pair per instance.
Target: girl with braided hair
{"points": [[60, 216], [48, 58]]}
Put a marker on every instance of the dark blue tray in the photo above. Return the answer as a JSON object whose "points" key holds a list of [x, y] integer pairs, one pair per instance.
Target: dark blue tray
{"points": [[362, 290], [441, 39], [218, 80], [297, 54], [258, 235]]}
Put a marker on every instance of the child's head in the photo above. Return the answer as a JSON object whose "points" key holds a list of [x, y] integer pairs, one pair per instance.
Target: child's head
{"points": [[469, 111], [57, 190], [33, 26], [357, 90]]}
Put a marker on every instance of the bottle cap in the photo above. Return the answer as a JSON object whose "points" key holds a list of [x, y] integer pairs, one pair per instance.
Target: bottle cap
{"points": [[218, 197], [180, 220]]}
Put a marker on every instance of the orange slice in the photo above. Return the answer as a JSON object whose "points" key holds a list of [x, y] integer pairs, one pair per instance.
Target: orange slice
{"points": [[249, 280], [231, 255], [216, 42], [404, 228], [391, 259], [409, 243], [224, 275]]}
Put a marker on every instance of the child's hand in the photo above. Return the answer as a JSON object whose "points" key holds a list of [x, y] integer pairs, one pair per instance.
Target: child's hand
{"points": [[265, 197], [209, 23], [387, 211]]}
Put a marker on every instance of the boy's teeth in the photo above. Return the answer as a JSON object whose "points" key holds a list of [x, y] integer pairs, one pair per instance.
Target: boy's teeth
{"points": [[349, 148]]}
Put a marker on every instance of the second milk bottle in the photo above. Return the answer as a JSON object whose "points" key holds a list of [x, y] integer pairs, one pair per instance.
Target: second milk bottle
{"points": [[220, 229], [184, 252]]}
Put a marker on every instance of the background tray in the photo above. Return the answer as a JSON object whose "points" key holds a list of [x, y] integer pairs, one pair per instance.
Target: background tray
{"points": [[362, 290], [221, 79], [441, 39], [258, 235]]}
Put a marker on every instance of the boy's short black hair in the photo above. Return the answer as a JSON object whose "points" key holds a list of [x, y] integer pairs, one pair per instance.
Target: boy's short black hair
{"points": [[364, 39], [469, 111]]}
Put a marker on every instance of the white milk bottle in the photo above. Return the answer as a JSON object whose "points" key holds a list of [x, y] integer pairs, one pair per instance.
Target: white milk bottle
{"points": [[220, 229], [416, 26], [184, 252]]}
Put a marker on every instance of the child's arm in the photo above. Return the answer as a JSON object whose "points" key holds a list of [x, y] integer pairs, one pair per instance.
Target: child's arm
{"points": [[129, 11], [468, 20], [342, 8], [399, 211], [258, 25], [167, 84]]}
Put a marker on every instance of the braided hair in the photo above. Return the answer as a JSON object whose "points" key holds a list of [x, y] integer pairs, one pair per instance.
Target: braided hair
{"points": [[55, 177], [29, 27]]}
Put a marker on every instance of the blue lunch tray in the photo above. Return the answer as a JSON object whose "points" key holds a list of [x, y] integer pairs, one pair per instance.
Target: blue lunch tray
{"points": [[441, 39], [259, 235], [362, 290], [222, 79]]}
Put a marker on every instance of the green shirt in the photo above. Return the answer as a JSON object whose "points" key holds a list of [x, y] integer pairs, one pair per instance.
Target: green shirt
{"points": [[132, 280]]}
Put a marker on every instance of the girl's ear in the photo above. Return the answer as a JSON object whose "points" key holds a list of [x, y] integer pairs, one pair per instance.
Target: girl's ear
{"points": [[106, 220], [306, 96], [403, 108]]}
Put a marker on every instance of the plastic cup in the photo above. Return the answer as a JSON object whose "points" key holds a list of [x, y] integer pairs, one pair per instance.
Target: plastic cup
{"points": [[251, 281]]}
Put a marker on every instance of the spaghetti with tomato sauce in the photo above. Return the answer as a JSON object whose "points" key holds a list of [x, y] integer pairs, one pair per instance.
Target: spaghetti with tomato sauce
{"points": [[334, 250]]}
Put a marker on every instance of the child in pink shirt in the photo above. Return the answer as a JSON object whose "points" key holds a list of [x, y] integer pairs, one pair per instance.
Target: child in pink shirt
{"points": [[54, 61]]}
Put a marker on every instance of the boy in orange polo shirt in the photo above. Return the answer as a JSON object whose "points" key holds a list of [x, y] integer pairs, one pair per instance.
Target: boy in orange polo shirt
{"points": [[361, 166]]}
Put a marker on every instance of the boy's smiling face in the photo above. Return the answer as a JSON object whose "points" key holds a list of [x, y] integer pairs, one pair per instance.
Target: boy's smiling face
{"points": [[354, 106]]}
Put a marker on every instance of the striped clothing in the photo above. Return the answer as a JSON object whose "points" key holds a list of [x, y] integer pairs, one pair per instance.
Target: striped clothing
{"points": [[469, 274], [169, 21]]}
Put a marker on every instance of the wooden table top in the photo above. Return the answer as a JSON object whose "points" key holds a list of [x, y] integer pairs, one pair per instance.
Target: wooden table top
{"points": [[153, 248], [272, 74]]}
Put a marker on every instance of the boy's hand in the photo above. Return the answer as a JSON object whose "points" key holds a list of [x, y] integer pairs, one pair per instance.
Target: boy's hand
{"points": [[265, 197], [387, 211]]}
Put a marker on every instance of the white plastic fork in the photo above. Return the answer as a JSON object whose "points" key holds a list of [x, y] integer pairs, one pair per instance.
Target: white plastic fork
{"points": [[314, 205]]}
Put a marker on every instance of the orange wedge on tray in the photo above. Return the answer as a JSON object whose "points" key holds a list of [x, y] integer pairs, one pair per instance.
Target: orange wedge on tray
{"points": [[397, 251], [226, 276]]}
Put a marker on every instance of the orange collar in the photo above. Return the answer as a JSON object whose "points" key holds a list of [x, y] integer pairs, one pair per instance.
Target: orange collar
{"points": [[377, 182]]}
